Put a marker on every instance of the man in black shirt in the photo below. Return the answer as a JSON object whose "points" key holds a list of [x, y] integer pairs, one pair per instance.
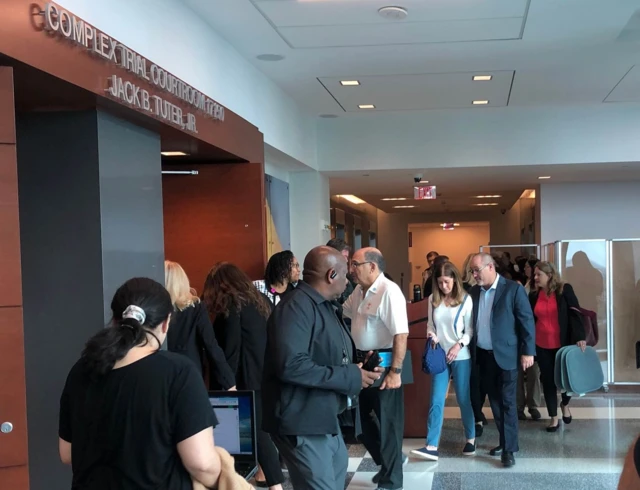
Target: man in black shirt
{"points": [[310, 376]]}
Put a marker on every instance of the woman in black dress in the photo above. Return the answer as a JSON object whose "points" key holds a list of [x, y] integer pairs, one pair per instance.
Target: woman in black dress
{"points": [[133, 417], [191, 333], [239, 314]]}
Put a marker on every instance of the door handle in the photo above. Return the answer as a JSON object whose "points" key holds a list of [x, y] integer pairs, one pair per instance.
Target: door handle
{"points": [[6, 427]]}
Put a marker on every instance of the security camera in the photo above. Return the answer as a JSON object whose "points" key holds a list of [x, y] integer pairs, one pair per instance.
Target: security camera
{"points": [[503, 211], [417, 178]]}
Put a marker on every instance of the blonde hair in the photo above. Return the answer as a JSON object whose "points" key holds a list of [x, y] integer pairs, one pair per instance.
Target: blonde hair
{"points": [[555, 285], [177, 283], [457, 292], [467, 276]]}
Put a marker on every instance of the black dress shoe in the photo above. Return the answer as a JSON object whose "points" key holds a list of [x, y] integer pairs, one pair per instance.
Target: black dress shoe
{"points": [[479, 429], [496, 451], [553, 428], [566, 420], [522, 415], [508, 460], [535, 414]]}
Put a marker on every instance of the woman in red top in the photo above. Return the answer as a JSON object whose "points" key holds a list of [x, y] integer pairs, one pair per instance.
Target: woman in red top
{"points": [[556, 326]]}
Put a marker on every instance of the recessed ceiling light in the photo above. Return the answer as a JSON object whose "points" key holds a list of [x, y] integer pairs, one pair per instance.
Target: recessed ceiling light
{"points": [[352, 198], [270, 57], [349, 83], [544, 177], [393, 13], [487, 204], [480, 102], [494, 196], [423, 182], [445, 224], [366, 106], [173, 154], [395, 199], [403, 207], [328, 116], [482, 78]]}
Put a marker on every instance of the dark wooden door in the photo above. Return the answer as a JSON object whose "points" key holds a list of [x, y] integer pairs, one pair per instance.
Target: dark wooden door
{"points": [[13, 406]]}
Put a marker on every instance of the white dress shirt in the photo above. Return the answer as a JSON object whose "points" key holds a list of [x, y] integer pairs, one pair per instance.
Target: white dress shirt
{"points": [[485, 307], [378, 315], [449, 334]]}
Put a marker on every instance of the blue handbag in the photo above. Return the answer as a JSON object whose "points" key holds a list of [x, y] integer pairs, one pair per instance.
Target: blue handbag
{"points": [[434, 358]]}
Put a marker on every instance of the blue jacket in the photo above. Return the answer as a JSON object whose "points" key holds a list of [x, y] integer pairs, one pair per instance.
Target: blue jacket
{"points": [[513, 331]]}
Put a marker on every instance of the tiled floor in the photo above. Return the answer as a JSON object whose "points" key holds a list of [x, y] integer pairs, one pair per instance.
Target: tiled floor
{"points": [[587, 454]]}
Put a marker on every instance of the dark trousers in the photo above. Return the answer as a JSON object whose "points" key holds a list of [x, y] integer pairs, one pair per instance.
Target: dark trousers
{"points": [[501, 387], [382, 414], [547, 362], [478, 394], [315, 462], [268, 457]]}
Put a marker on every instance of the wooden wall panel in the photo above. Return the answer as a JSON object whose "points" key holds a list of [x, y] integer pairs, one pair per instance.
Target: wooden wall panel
{"points": [[13, 403], [14, 478], [10, 279], [417, 396], [7, 117], [217, 215]]}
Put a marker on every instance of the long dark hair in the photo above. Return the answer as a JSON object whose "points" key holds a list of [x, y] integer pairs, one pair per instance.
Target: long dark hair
{"points": [[227, 285], [111, 344], [279, 268]]}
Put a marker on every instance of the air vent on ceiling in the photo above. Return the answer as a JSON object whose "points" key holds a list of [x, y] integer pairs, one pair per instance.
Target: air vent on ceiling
{"points": [[393, 13]]}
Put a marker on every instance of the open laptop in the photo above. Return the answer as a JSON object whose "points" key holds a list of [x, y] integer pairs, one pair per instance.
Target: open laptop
{"points": [[236, 430]]}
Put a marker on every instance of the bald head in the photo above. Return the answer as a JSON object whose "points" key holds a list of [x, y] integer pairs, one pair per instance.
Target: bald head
{"points": [[325, 270], [367, 265]]}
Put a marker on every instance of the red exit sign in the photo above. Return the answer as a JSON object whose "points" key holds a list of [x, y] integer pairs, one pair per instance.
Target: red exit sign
{"points": [[424, 192]]}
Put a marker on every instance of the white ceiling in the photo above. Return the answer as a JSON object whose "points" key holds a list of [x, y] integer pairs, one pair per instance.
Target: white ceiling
{"points": [[457, 186], [562, 52]]}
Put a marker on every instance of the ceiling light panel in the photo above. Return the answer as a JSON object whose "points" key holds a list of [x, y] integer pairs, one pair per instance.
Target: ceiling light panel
{"points": [[482, 78], [544, 177], [395, 199], [349, 83], [351, 198], [366, 106], [418, 91], [493, 196], [486, 204], [173, 154], [403, 207], [318, 23], [480, 102]]}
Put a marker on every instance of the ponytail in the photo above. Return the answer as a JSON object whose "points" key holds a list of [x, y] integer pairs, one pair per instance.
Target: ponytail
{"points": [[138, 306]]}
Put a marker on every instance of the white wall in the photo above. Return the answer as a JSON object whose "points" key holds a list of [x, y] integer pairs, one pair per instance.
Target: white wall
{"points": [[309, 203], [590, 210], [170, 34], [393, 242], [484, 137], [455, 244]]}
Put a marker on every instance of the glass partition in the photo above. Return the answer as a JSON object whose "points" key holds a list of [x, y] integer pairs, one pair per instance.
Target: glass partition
{"points": [[584, 265], [514, 250], [549, 253], [625, 313]]}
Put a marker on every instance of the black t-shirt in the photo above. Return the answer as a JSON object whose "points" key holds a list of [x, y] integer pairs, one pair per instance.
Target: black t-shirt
{"points": [[124, 427]]}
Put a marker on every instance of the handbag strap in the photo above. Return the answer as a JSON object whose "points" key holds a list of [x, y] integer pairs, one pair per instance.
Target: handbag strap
{"points": [[455, 322]]}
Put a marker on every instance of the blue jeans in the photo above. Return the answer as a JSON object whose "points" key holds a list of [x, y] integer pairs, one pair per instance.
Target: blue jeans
{"points": [[461, 372]]}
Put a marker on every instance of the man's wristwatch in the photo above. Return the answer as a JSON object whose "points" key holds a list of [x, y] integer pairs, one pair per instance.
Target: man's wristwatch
{"points": [[461, 344], [396, 370]]}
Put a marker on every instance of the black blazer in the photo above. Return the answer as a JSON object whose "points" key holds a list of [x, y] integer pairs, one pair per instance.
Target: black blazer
{"points": [[191, 334], [309, 367], [571, 328], [512, 325], [243, 338]]}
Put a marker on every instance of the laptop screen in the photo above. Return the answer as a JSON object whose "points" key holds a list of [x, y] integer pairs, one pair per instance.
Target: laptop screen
{"points": [[235, 431]]}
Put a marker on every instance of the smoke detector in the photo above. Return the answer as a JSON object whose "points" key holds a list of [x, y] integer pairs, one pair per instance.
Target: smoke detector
{"points": [[393, 13]]}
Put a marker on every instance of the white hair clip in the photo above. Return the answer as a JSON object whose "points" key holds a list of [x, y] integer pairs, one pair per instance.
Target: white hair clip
{"points": [[136, 313]]}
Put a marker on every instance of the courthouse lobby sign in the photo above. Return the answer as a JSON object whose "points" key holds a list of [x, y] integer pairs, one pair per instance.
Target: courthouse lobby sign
{"points": [[70, 28]]}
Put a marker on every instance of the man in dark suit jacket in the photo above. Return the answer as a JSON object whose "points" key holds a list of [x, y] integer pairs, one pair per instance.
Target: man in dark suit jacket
{"points": [[503, 335]]}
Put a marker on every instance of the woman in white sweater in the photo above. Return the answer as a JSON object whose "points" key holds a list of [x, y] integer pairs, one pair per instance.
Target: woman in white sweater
{"points": [[450, 325]]}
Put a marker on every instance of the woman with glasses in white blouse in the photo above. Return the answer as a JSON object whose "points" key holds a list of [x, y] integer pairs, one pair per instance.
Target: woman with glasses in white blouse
{"points": [[450, 325]]}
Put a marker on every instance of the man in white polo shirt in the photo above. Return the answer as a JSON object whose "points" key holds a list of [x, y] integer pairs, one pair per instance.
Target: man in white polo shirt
{"points": [[378, 312]]}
